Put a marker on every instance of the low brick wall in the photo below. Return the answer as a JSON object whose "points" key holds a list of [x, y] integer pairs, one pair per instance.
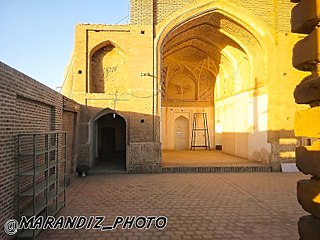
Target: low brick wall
{"points": [[144, 157]]}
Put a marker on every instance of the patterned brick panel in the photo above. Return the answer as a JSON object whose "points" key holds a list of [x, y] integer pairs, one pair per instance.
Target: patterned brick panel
{"points": [[141, 12]]}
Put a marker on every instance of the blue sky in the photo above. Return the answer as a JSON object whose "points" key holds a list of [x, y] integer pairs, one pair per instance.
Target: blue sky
{"points": [[37, 36]]}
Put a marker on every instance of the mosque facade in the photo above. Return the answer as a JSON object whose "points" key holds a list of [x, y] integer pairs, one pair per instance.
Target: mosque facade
{"points": [[141, 85]]}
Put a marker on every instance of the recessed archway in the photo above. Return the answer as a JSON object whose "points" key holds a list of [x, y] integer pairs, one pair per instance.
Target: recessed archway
{"points": [[227, 64], [110, 142]]}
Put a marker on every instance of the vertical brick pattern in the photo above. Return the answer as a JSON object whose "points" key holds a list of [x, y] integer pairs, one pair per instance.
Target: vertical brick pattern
{"points": [[141, 12], [26, 106], [284, 18]]}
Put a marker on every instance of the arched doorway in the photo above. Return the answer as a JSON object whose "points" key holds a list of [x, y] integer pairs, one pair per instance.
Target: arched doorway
{"points": [[111, 142], [181, 133]]}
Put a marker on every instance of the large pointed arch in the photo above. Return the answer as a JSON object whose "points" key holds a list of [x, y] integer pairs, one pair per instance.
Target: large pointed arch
{"points": [[247, 48]]}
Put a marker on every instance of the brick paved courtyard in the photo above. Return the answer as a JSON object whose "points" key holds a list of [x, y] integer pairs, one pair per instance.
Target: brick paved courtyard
{"points": [[198, 206]]}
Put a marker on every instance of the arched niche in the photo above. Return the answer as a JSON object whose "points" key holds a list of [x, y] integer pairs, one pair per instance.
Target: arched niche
{"points": [[107, 68]]}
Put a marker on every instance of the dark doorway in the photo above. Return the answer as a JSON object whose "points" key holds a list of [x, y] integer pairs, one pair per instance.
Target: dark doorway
{"points": [[108, 141], [111, 147]]}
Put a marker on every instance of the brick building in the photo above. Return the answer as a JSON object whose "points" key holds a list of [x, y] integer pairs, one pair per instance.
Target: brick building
{"points": [[130, 91], [228, 59]]}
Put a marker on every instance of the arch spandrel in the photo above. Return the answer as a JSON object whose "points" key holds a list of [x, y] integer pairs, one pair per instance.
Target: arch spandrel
{"points": [[244, 18]]}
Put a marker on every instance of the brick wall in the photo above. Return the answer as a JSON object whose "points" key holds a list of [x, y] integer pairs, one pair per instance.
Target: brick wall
{"points": [[26, 106], [163, 8], [141, 12], [70, 118], [276, 14], [144, 157]]}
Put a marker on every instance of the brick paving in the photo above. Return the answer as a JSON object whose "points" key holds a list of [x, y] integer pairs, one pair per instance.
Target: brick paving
{"points": [[198, 206]]}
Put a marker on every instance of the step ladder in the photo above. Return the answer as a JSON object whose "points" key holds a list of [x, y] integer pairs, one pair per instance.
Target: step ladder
{"points": [[203, 129]]}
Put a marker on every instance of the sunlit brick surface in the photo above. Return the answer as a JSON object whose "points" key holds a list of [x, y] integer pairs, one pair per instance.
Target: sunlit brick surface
{"points": [[198, 206]]}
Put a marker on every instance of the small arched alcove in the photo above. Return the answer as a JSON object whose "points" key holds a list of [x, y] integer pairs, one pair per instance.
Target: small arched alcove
{"points": [[107, 63]]}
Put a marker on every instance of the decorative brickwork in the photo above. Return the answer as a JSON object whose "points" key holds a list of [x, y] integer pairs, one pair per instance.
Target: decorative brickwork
{"points": [[141, 12]]}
